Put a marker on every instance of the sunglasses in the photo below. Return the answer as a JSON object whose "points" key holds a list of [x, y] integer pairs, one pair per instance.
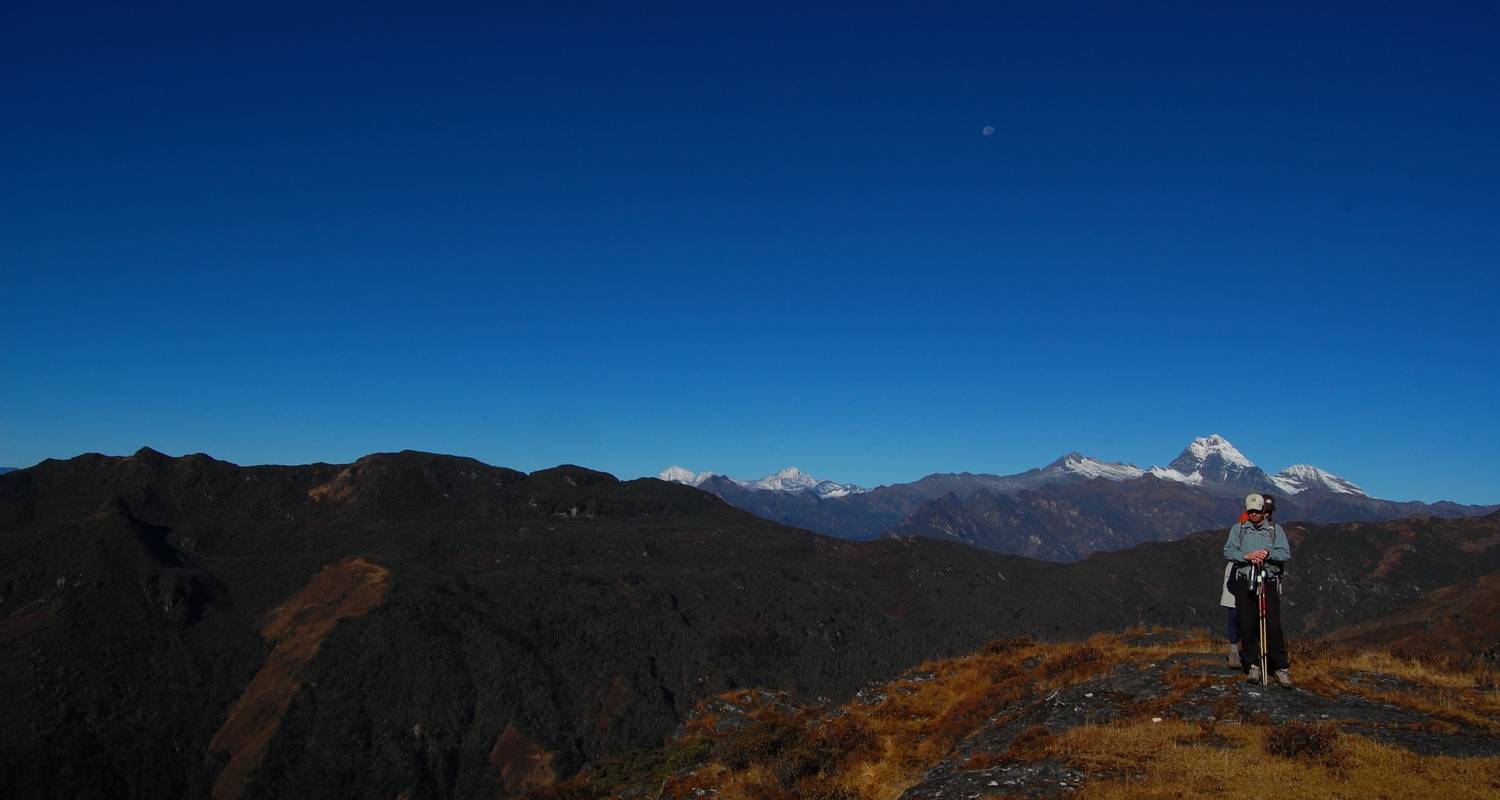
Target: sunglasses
{"points": [[1254, 511]]}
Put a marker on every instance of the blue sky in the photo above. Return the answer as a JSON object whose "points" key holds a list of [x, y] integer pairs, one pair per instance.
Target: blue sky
{"points": [[629, 237]]}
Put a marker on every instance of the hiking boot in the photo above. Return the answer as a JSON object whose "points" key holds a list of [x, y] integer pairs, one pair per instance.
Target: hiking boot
{"points": [[1253, 676], [1283, 677], [1234, 657]]}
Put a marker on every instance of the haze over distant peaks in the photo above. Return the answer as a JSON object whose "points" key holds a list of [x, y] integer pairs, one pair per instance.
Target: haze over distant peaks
{"points": [[790, 479]]}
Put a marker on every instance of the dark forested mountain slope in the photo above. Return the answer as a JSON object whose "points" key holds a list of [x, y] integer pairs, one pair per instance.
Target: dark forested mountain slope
{"points": [[422, 624]]}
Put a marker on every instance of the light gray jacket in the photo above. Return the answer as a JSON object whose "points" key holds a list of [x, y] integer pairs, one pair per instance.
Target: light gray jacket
{"points": [[1246, 538]]}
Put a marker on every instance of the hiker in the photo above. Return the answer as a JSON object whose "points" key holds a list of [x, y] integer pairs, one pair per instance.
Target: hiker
{"points": [[1259, 543], [1226, 596]]}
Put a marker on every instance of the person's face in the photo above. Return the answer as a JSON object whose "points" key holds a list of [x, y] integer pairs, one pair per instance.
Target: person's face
{"points": [[1255, 516]]}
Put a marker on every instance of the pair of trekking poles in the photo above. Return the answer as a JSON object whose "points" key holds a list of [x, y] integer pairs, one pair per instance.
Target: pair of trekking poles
{"points": [[1258, 579]]}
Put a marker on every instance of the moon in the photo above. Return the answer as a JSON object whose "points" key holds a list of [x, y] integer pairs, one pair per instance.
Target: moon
{"points": [[989, 130]]}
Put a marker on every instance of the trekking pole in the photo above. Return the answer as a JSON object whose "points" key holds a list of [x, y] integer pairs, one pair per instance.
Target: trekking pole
{"points": [[1260, 599]]}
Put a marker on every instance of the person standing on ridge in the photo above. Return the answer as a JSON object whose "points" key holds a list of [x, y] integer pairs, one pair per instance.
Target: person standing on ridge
{"points": [[1259, 543], [1226, 596]]}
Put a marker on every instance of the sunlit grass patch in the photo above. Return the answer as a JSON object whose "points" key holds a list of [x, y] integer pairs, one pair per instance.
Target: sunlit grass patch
{"points": [[1161, 760], [1453, 698]]}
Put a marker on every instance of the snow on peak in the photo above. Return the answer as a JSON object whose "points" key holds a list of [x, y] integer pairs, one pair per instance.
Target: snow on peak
{"points": [[831, 489], [1214, 444], [676, 474], [1168, 474], [1211, 461], [790, 479], [1090, 467], [1301, 477]]}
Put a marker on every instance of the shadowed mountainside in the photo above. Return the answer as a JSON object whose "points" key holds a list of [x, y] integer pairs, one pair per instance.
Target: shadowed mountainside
{"points": [[525, 624]]}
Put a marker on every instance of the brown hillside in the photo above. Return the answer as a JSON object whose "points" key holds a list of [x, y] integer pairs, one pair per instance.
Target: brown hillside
{"points": [[349, 588], [1459, 624]]}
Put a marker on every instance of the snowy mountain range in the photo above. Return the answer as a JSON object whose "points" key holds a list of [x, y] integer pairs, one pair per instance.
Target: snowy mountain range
{"points": [[790, 479], [1213, 462], [1209, 462], [1068, 509]]}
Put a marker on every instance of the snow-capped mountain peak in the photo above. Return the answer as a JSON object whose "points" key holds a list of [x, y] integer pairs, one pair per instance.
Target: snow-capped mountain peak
{"points": [[1301, 477], [1089, 467], [1213, 461], [676, 474], [831, 489], [790, 479], [1205, 447]]}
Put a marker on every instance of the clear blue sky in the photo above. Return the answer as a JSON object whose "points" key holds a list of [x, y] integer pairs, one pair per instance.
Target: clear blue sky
{"points": [[628, 236]]}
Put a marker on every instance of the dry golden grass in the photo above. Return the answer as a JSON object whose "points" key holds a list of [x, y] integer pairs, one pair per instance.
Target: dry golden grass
{"points": [[1452, 698], [922, 719], [1158, 760]]}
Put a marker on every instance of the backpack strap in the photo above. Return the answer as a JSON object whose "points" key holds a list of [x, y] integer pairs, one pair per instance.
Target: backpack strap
{"points": [[1239, 536]]}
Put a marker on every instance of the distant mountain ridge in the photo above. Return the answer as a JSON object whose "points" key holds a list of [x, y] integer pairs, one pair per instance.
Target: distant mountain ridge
{"points": [[1075, 505], [790, 479]]}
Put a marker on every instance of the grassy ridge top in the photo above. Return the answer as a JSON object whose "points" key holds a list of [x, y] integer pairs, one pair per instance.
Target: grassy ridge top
{"points": [[1133, 715]]}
